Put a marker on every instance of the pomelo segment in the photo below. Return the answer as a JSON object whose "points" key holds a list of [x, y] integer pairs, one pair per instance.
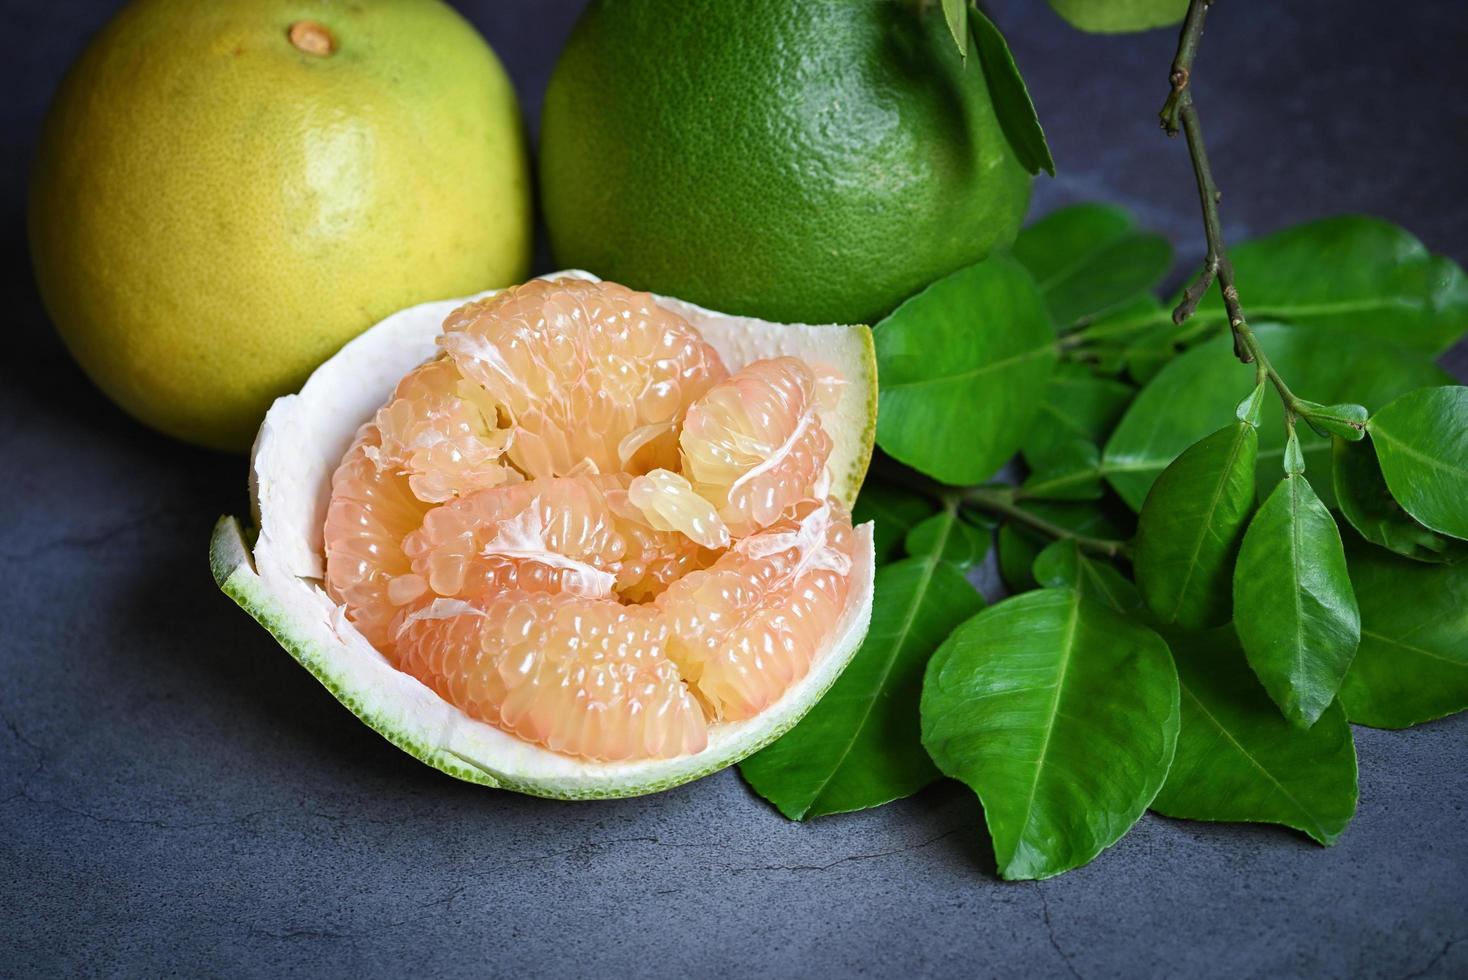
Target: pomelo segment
{"points": [[754, 443], [278, 580], [590, 373]]}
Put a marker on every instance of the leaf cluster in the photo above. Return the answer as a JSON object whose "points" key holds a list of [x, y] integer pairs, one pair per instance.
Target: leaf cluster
{"points": [[1211, 574]]}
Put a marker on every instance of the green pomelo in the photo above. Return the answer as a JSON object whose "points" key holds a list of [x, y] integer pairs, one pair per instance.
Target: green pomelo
{"points": [[799, 160]]}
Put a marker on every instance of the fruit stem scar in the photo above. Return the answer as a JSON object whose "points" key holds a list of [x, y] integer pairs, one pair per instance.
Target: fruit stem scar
{"points": [[312, 38]]}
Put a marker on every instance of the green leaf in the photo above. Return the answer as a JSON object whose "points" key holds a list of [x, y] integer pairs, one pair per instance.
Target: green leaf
{"points": [[1138, 316], [1062, 716], [1019, 546], [962, 544], [1188, 397], [963, 366], [1294, 608], [1070, 472], [1356, 275], [1063, 564], [1367, 504], [1294, 456], [1190, 527], [955, 12], [1153, 349], [1077, 406], [1421, 441], [1089, 259], [1011, 99], [860, 745], [1238, 760], [1412, 665], [1120, 16], [895, 511], [1343, 421]]}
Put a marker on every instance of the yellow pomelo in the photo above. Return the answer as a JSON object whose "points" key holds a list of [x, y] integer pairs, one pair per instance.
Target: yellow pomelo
{"points": [[226, 192]]}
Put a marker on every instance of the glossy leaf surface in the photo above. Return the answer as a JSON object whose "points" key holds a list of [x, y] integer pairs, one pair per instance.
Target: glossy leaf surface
{"points": [[1188, 397], [1363, 498], [1191, 525], [1294, 608], [1120, 16], [893, 512], [964, 365], [1089, 259], [1354, 275], [860, 745], [1064, 564], [1239, 760], [961, 544], [1011, 99], [1421, 441], [1412, 665], [1062, 716], [1078, 407]]}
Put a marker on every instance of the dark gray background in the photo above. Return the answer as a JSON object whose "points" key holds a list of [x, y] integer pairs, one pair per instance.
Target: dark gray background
{"points": [[178, 797]]}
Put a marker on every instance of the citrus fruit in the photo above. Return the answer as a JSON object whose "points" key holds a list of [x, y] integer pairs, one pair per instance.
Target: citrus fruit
{"points": [[226, 192], [568, 538], [798, 160]]}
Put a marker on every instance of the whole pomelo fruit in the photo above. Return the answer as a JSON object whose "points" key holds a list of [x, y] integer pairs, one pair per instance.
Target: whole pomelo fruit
{"points": [[225, 192], [796, 160]]}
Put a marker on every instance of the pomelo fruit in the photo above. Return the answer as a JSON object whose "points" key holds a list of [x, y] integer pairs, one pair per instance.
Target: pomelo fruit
{"points": [[225, 192], [797, 160], [567, 538]]}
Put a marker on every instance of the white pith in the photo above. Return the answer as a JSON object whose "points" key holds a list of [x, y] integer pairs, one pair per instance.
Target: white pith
{"points": [[304, 437]]}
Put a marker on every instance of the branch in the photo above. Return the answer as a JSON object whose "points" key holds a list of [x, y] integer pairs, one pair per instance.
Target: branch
{"points": [[1000, 501], [995, 500], [1180, 114]]}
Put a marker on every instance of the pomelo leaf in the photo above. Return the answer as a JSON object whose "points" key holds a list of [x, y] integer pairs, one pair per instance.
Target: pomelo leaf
{"points": [[1077, 405], [963, 367], [1183, 403], [1062, 716], [1294, 608], [893, 512], [1071, 472], [1064, 564], [1089, 259], [1012, 104], [1120, 16], [1412, 665], [1421, 441], [1363, 498], [955, 12], [1354, 274], [1345, 421], [1137, 316], [961, 544], [1238, 760], [1190, 527], [860, 745]]}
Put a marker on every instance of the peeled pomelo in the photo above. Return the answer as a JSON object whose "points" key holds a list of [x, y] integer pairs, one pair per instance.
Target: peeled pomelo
{"points": [[582, 543]]}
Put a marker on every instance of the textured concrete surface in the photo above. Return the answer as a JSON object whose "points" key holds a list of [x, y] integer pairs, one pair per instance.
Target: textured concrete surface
{"points": [[178, 798]]}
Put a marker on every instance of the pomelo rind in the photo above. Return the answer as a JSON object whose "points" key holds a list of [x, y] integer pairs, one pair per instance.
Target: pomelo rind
{"points": [[278, 579]]}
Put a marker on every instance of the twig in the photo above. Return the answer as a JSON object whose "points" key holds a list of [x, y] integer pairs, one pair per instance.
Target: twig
{"points": [[996, 500], [1000, 501], [1180, 114]]}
